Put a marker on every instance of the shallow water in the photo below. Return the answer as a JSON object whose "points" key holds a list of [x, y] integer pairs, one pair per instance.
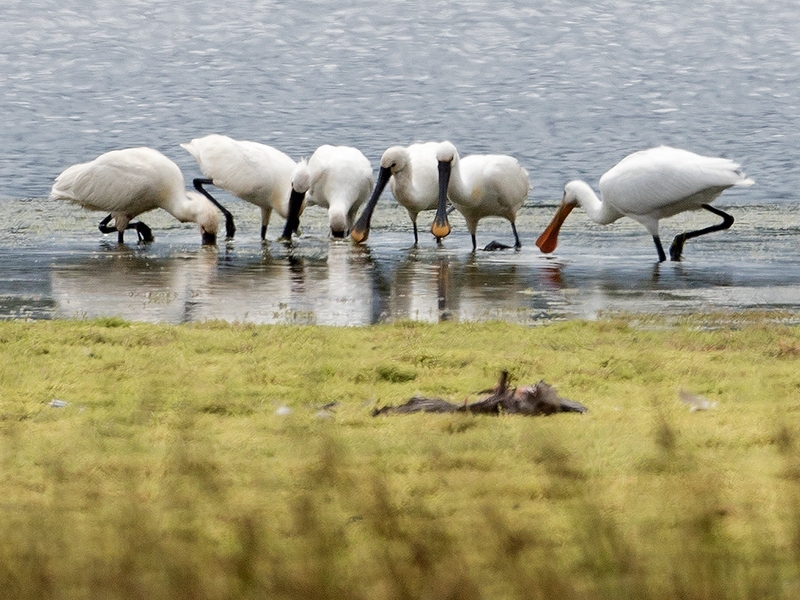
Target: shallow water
{"points": [[567, 88], [74, 271]]}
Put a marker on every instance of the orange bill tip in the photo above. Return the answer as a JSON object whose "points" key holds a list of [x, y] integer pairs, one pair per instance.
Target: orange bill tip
{"points": [[548, 241], [441, 230], [359, 235]]}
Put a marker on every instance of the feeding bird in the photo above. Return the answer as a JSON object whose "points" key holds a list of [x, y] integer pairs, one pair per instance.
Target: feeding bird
{"points": [[253, 172], [648, 186], [479, 185], [414, 182], [338, 178], [129, 182]]}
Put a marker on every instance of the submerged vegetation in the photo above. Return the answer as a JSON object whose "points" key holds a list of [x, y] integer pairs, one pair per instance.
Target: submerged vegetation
{"points": [[216, 461]]}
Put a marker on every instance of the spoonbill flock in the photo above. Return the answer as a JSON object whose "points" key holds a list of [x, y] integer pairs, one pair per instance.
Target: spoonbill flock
{"points": [[646, 186]]}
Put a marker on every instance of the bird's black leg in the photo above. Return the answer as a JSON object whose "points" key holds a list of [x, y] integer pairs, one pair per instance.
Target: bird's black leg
{"points": [[230, 228], [676, 249], [143, 231], [495, 245], [661, 256], [416, 237], [517, 243], [474, 243], [104, 227]]}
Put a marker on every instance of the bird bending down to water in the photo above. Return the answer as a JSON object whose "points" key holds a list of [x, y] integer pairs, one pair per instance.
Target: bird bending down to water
{"points": [[338, 178], [414, 182], [648, 186], [253, 172], [480, 185], [129, 182]]}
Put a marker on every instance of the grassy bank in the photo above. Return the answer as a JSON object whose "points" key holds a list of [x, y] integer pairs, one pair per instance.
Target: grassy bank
{"points": [[173, 470]]}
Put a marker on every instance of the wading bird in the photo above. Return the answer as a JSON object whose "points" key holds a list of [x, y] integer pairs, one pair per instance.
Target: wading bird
{"points": [[253, 172], [414, 182], [480, 185], [338, 178], [129, 182], [650, 185]]}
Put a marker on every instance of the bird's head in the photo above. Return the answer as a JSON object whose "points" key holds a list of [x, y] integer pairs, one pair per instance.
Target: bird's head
{"points": [[206, 216], [573, 191], [395, 159], [337, 218], [301, 178], [447, 156], [446, 153], [548, 241]]}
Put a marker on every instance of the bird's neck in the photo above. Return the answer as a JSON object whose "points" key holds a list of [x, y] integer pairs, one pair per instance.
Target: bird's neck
{"points": [[338, 217], [183, 208], [404, 178], [457, 189], [597, 210]]}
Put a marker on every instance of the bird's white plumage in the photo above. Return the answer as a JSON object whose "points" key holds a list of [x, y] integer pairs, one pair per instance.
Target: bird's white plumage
{"points": [[413, 174], [662, 182], [415, 178], [483, 185], [339, 179], [648, 186], [254, 172], [129, 182]]}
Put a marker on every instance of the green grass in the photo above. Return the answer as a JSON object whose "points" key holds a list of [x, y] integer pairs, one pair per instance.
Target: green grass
{"points": [[171, 474]]}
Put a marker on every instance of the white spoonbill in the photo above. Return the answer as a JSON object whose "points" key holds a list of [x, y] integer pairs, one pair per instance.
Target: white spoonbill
{"points": [[414, 182], [130, 182], [254, 172], [480, 185], [338, 178], [650, 185]]}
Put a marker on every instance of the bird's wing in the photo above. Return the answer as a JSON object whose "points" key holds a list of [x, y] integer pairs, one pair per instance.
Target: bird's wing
{"points": [[500, 177], [652, 180], [118, 181], [246, 169]]}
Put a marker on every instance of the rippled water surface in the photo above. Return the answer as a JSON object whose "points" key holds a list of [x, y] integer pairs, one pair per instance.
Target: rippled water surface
{"points": [[568, 88]]}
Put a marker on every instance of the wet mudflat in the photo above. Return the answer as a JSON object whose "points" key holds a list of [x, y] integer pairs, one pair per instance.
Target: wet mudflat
{"points": [[63, 267]]}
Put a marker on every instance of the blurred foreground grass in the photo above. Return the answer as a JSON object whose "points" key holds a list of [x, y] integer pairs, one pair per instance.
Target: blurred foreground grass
{"points": [[197, 462]]}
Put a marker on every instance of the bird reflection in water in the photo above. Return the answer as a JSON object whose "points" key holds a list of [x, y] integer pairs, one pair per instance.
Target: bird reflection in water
{"points": [[297, 273], [419, 289], [551, 275], [124, 282], [443, 288]]}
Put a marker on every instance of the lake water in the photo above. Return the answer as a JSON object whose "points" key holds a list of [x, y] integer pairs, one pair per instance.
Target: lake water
{"points": [[567, 88]]}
